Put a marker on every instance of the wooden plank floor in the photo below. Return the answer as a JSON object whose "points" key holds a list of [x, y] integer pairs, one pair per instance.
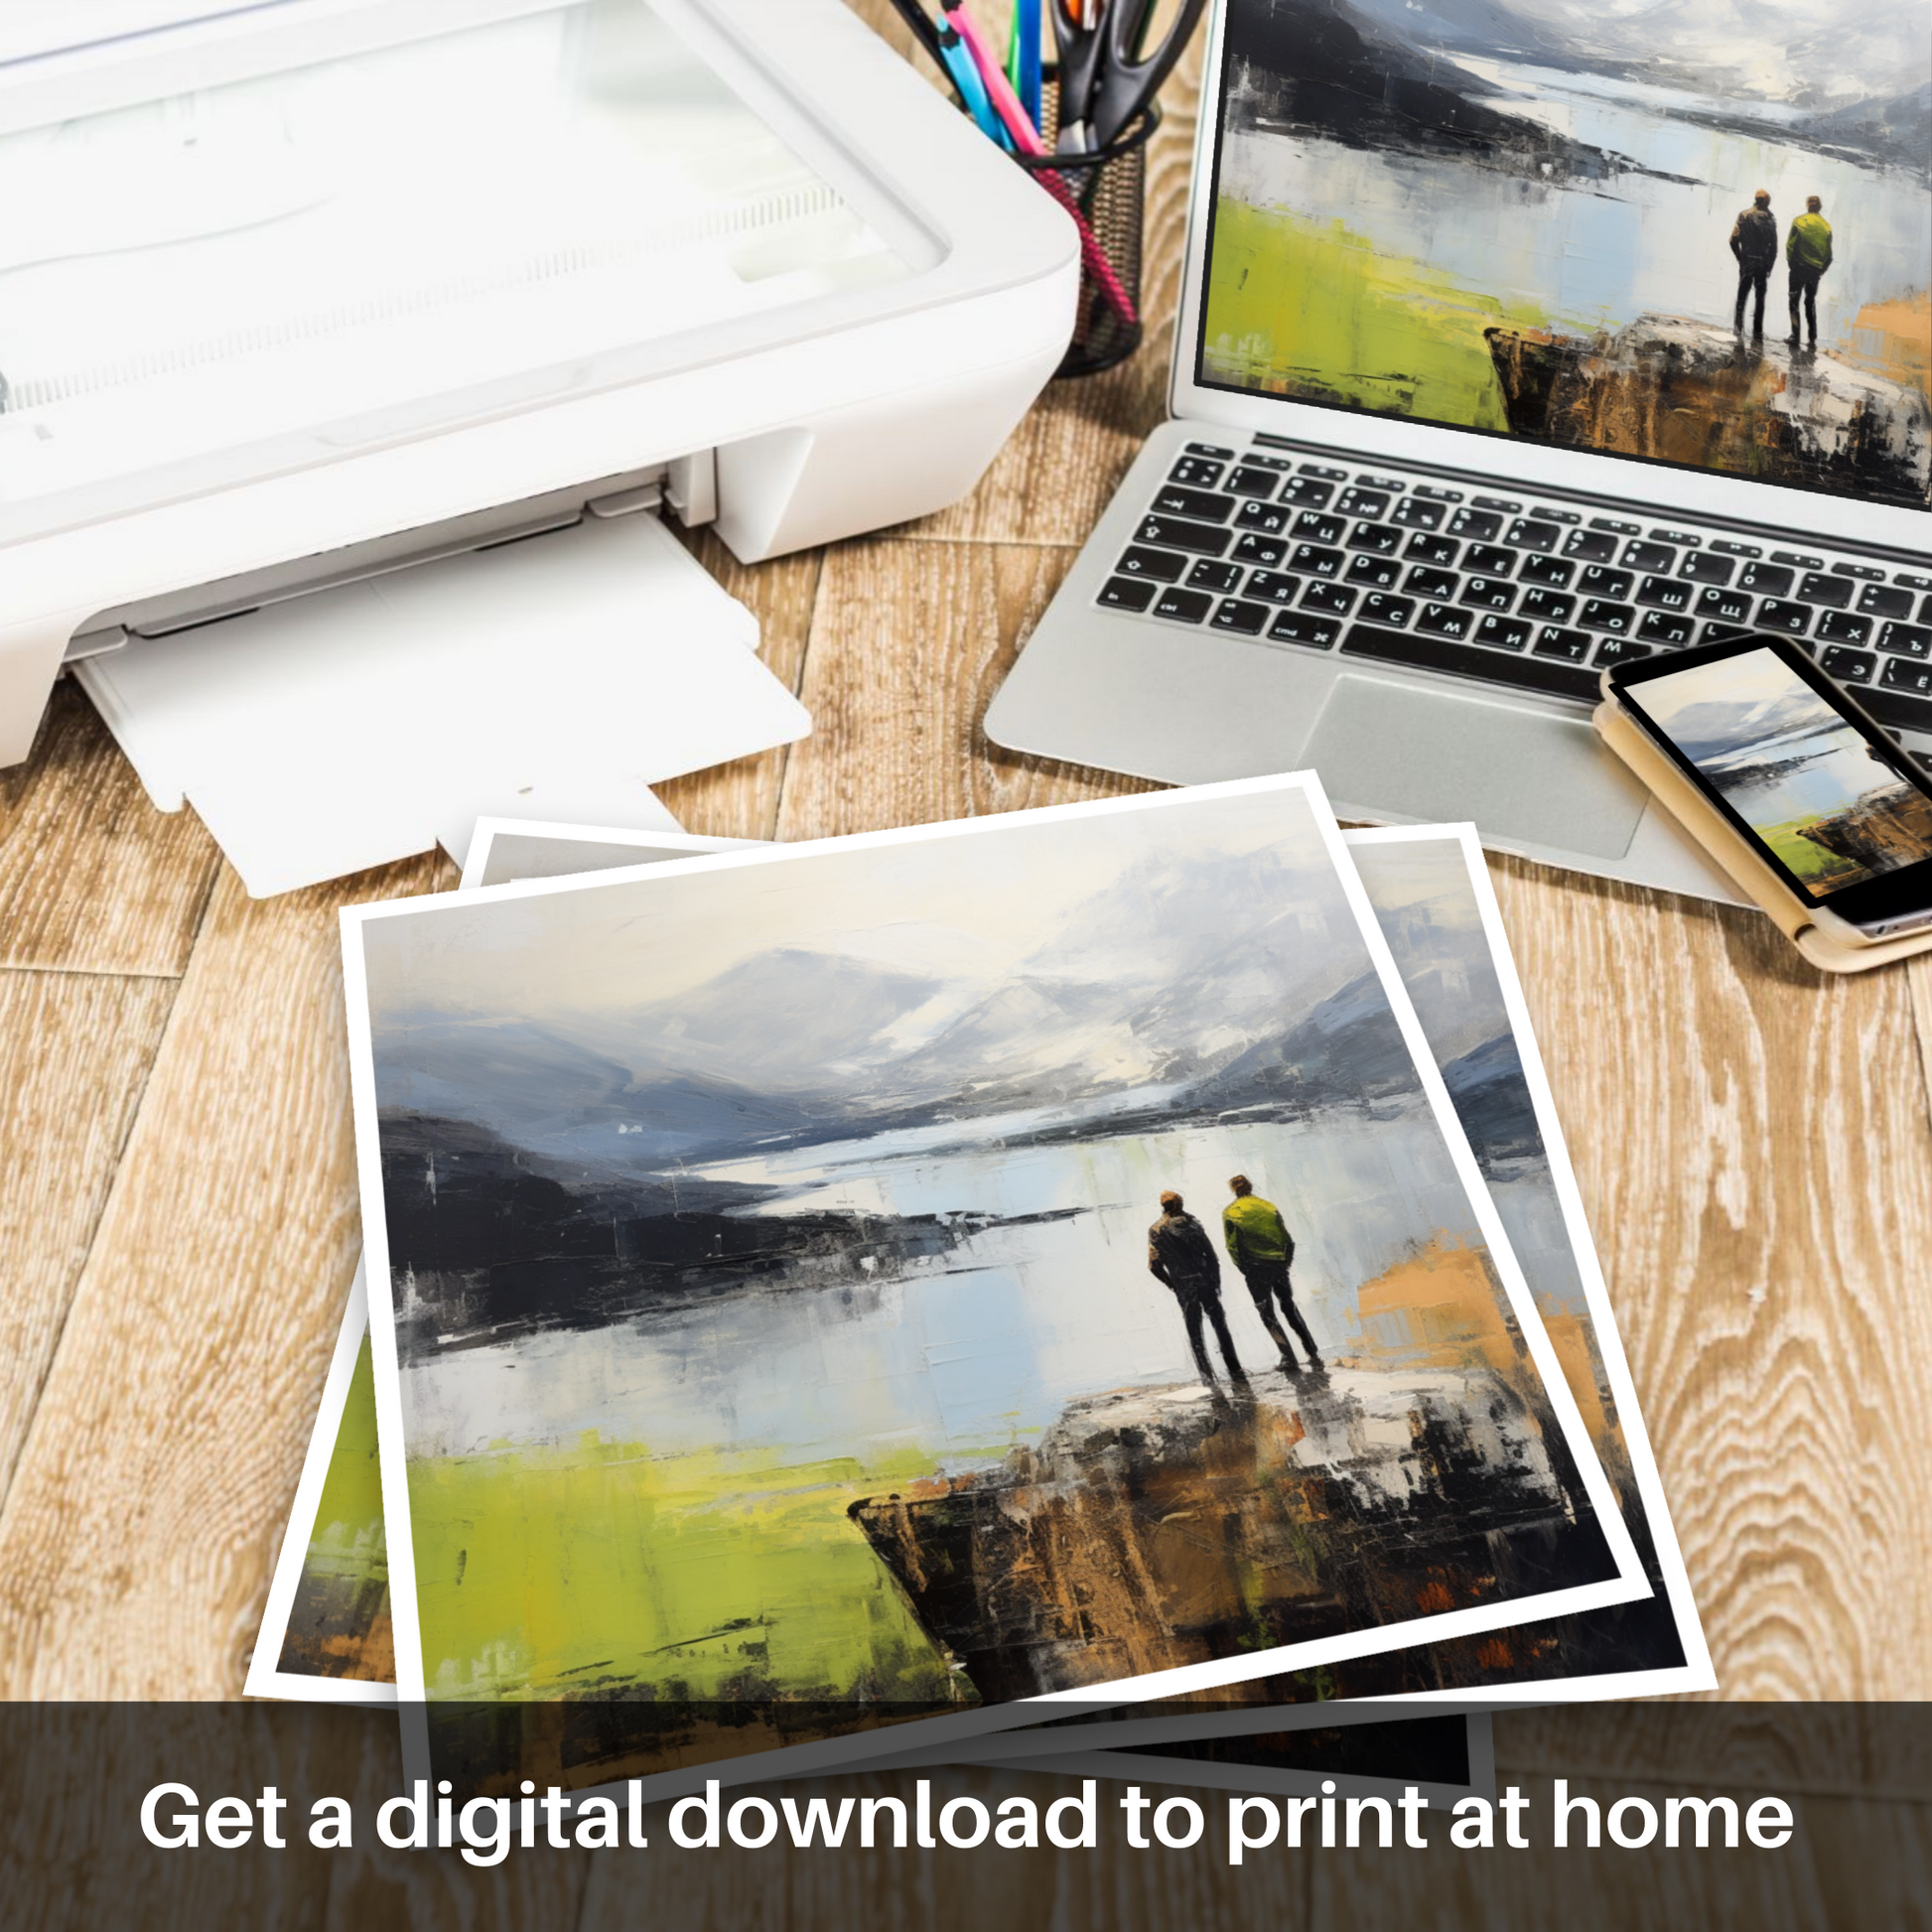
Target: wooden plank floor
{"points": [[178, 1218]]}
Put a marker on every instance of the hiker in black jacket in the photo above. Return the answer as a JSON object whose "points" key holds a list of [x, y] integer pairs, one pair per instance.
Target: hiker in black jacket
{"points": [[1179, 1254], [1755, 241]]}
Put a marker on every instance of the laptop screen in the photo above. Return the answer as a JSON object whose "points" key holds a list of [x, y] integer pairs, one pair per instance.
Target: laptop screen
{"points": [[1686, 233]]}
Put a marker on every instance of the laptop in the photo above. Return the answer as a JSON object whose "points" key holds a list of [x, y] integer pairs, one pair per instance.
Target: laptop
{"points": [[1471, 398]]}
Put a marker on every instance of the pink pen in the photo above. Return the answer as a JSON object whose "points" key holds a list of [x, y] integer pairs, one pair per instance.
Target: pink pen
{"points": [[1005, 104], [1026, 138]]}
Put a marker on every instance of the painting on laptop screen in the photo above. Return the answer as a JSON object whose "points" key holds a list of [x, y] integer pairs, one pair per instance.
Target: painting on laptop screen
{"points": [[1686, 233]]}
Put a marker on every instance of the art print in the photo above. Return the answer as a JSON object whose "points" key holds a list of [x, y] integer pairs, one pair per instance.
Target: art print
{"points": [[864, 1305]]}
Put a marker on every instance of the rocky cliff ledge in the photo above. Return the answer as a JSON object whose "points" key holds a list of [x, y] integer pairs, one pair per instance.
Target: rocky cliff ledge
{"points": [[1151, 1528], [1691, 392], [1884, 833]]}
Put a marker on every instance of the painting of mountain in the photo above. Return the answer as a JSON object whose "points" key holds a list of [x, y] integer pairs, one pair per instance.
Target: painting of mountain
{"points": [[768, 1242], [1517, 215], [1425, 905]]}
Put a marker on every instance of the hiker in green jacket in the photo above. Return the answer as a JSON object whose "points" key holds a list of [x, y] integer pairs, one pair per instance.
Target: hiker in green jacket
{"points": [[1807, 255], [1260, 1247]]}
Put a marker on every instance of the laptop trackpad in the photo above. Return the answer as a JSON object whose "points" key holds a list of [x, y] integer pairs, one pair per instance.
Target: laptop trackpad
{"points": [[1532, 779]]}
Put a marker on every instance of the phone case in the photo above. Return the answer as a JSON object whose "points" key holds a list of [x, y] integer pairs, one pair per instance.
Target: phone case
{"points": [[1685, 803]]}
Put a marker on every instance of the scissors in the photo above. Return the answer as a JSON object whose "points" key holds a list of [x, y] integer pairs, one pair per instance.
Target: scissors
{"points": [[1106, 74]]}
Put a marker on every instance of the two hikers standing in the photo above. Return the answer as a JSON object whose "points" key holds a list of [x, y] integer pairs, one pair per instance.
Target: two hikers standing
{"points": [[1807, 255], [1258, 1242]]}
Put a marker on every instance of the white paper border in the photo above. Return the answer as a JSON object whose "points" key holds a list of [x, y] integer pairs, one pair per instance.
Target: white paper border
{"points": [[913, 1733]]}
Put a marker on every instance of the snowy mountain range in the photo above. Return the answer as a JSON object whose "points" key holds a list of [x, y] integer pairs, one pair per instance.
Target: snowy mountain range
{"points": [[1713, 727], [1812, 54], [1166, 978]]}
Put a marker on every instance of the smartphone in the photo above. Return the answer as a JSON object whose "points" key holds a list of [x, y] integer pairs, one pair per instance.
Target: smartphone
{"points": [[1786, 758]]}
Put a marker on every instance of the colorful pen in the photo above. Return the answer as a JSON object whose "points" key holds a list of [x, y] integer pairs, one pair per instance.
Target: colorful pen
{"points": [[968, 75], [1003, 101], [1026, 139], [1022, 66]]}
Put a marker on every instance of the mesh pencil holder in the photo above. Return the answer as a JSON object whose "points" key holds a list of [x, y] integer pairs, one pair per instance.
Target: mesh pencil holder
{"points": [[1106, 193]]}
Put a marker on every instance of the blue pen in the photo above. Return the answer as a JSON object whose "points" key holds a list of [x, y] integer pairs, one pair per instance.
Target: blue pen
{"points": [[1025, 78], [972, 90]]}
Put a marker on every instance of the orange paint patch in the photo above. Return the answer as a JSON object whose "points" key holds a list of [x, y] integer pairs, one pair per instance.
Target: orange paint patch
{"points": [[372, 1657], [1440, 1306], [1894, 338], [1570, 1340], [923, 1488]]}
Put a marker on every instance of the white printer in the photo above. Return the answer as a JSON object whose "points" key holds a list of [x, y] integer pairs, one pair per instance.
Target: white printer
{"points": [[296, 296]]}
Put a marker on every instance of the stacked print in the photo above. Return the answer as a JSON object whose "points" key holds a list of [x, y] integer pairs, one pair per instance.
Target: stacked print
{"points": [[766, 1352]]}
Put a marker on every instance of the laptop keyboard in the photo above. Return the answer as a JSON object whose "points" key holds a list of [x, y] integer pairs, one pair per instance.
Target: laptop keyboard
{"points": [[1532, 595]]}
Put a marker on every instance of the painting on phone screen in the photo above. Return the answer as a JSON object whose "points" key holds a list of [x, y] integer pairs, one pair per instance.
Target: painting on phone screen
{"points": [[1829, 804]]}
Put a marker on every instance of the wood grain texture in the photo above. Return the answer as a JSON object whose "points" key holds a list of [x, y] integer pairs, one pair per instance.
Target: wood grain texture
{"points": [[72, 1782], [74, 1054], [136, 1538], [1826, 1749], [72, 1860], [1918, 980], [1752, 1144], [92, 879], [909, 644], [369, 1888]]}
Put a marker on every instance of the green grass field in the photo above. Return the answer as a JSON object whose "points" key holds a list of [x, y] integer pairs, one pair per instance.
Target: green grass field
{"points": [[1299, 308], [542, 1571], [348, 1540], [1811, 863]]}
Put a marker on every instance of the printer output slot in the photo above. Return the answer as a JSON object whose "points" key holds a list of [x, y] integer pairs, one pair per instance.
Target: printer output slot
{"points": [[556, 677], [526, 536], [688, 485]]}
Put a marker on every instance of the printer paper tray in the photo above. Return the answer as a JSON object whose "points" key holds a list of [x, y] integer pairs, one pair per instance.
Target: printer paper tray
{"points": [[556, 677]]}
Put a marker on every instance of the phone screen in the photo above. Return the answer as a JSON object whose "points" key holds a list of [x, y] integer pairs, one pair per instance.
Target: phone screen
{"points": [[1822, 791]]}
